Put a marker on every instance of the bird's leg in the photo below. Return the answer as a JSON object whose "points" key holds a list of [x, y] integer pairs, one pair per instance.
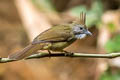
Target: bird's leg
{"points": [[49, 53], [67, 53]]}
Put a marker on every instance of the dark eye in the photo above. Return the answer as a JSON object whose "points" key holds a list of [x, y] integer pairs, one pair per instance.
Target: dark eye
{"points": [[81, 28]]}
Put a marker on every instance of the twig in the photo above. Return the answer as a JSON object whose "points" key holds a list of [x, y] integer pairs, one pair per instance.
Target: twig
{"points": [[83, 55]]}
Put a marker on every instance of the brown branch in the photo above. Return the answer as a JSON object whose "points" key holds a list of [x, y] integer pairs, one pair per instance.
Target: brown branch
{"points": [[74, 55]]}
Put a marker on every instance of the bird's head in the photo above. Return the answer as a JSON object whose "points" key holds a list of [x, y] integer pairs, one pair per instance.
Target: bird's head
{"points": [[79, 28]]}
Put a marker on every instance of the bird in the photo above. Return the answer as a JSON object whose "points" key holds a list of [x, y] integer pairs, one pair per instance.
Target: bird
{"points": [[55, 38]]}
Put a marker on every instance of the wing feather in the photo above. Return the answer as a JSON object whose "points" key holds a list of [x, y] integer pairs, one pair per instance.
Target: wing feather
{"points": [[54, 34]]}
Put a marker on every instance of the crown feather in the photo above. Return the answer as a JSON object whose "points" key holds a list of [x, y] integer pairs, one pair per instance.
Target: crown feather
{"points": [[82, 18]]}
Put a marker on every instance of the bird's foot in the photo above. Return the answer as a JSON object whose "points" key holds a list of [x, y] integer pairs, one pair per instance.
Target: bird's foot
{"points": [[49, 53], [68, 53]]}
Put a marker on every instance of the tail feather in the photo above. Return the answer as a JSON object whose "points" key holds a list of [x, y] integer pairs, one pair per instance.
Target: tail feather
{"points": [[30, 49]]}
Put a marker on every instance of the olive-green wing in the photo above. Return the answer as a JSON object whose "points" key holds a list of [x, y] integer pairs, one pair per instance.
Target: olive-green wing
{"points": [[54, 34]]}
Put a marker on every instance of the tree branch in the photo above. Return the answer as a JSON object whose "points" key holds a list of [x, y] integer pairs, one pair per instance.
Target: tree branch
{"points": [[73, 55]]}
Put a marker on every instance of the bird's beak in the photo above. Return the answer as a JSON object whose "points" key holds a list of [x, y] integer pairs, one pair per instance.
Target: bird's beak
{"points": [[88, 33]]}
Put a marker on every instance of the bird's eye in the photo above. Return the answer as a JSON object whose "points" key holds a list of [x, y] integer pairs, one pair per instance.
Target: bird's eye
{"points": [[81, 28]]}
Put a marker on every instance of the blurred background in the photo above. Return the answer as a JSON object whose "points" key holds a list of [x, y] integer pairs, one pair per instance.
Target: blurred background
{"points": [[22, 20]]}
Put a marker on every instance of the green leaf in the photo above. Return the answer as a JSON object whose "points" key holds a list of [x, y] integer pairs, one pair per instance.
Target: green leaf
{"points": [[111, 27], [44, 5], [113, 45], [108, 75], [77, 10], [93, 14]]}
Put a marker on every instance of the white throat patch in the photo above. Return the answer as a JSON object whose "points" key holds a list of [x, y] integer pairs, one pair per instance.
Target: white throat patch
{"points": [[80, 36]]}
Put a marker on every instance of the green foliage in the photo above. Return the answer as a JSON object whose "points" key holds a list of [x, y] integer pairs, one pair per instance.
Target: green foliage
{"points": [[113, 45], [111, 26], [44, 5], [76, 10], [93, 14], [108, 75]]}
